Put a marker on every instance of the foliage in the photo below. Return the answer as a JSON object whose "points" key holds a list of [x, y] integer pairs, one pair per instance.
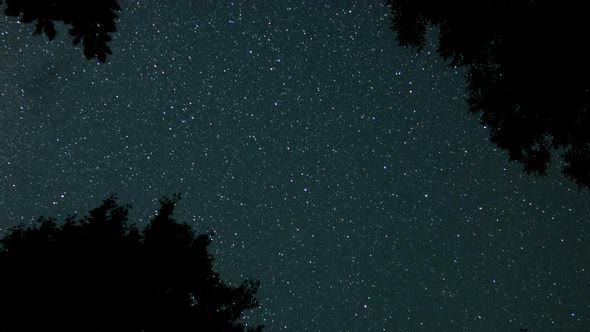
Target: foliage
{"points": [[99, 274], [91, 22], [528, 73]]}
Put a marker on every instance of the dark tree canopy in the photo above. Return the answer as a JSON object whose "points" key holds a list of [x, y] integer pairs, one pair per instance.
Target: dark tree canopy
{"points": [[91, 22], [527, 70], [99, 274]]}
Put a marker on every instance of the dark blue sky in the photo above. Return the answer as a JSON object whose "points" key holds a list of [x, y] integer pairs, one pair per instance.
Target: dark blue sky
{"points": [[341, 171]]}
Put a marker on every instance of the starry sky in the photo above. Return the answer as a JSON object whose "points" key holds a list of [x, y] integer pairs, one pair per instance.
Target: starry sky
{"points": [[340, 170]]}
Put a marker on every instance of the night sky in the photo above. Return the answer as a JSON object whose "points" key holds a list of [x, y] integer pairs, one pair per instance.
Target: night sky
{"points": [[340, 170]]}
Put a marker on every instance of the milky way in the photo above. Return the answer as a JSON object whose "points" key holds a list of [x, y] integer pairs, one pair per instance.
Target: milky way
{"points": [[340, 170]]}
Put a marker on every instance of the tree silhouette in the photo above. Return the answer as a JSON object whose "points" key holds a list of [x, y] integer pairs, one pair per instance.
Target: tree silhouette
{"points": [[527, 67], [99, 274], [91, 22]]}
